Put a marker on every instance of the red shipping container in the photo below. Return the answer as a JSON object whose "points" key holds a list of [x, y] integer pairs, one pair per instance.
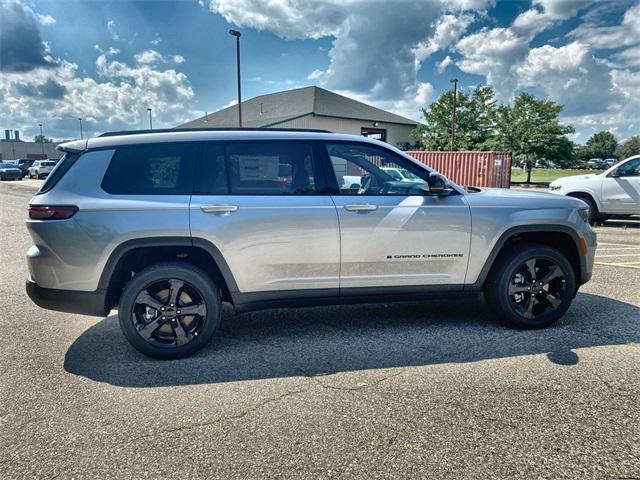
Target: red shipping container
{"points": [[477, 169]]}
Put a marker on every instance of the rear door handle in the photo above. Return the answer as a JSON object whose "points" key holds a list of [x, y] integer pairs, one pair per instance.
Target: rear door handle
{"points": [[219, 208], [361, 207]]}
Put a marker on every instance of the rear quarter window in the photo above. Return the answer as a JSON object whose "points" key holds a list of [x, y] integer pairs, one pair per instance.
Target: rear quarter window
{"points": [[158, 169]]}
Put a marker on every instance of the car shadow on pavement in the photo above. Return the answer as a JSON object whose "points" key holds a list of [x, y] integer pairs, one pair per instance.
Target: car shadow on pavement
{"points": [[327, 340]]}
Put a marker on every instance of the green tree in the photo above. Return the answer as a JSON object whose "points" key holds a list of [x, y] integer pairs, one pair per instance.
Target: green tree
{"points": [[531, 129], [42, 139], [600, 145], [475, 121], [629, 148]]}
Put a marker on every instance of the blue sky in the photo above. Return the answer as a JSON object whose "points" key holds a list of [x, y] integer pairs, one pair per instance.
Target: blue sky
{"points": [[108, 61]]}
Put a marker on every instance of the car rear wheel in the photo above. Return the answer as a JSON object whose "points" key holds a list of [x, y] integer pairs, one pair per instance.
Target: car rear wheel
{"points": [[531, 286], [169, 310]]}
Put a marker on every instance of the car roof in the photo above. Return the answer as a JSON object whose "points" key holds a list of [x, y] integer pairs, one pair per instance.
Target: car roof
{"points": [[204, 135]]}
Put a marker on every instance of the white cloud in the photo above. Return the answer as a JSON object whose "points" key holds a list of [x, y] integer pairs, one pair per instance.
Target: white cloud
{"points": [[442, 66], [493, 53], [111, 27], [626, 34], [536, 19], [46, 20], [151, 57], [569, 75], [448, 29], [116, 100]]}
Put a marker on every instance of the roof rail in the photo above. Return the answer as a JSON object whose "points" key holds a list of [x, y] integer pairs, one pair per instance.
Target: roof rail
{"points": [[225, 129]]}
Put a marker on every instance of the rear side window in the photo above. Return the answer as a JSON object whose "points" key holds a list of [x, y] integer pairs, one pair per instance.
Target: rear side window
{"points": [[158, 169], [270, 168], [59, 170]]}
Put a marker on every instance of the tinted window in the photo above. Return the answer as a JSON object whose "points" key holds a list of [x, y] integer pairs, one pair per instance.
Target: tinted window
{"points": [[362, 169], [629, 169], [61, 168], [270, 168], [159, 169], [211, 178]]}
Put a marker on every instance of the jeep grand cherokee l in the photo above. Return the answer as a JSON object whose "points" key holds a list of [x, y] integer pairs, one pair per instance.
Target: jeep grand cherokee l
{"points": [[166, 225]]}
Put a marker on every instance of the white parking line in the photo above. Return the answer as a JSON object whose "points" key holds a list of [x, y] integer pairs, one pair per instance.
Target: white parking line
{"points": [[617, 255], [635, 265], [617, 248]]}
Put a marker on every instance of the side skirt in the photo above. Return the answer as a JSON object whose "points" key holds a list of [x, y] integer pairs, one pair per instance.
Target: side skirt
{"points": [[248, 302]]}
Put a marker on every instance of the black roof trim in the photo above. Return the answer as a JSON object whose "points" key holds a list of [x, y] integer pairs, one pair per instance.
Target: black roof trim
{"points": [[226, 129]]}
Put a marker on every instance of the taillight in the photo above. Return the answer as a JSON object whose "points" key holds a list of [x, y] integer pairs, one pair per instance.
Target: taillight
{"points": [[52, 212]]}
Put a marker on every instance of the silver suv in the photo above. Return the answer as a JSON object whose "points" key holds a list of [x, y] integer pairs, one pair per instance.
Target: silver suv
{"points": [[166, 225]]}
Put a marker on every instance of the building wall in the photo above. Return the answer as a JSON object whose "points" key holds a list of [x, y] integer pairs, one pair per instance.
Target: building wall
{"points": [[27, 149], [396, 133]]}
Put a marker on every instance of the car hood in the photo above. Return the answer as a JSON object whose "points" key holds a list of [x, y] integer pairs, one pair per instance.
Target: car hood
{"points": [[505, 197], [576, 178]]}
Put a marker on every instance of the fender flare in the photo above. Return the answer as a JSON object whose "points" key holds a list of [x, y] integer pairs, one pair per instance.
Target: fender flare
{"points": [[533, 228]]}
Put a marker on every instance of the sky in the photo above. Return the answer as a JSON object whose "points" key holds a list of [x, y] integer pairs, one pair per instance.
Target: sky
{"points": [[108, 61]]}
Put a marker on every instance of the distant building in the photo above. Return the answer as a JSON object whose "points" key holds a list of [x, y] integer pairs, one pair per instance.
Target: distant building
{"points": [[312, 107], [16, 148]]}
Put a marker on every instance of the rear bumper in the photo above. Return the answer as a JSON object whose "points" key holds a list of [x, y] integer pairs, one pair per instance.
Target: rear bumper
{"points": [[71, 301]]}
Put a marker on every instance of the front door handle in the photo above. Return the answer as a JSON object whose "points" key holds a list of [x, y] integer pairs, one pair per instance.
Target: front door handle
{"points": [[219, 208], [360, 207]]}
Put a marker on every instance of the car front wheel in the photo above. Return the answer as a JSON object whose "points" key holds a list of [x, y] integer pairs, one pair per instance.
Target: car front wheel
{"points": [[169, 310], [531, 286]]}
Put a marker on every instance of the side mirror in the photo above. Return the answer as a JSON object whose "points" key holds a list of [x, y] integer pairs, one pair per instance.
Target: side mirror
{"points": [[438, 185], [614, 173]]}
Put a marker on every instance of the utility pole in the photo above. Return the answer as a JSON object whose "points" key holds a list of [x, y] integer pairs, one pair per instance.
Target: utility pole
{"points": [[453, 113], [41, 138], [237, 34], [150, 122], [80, 120]]}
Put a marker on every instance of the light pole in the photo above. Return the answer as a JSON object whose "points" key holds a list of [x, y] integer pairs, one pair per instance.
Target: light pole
{"points": [[150, 121], [13, 146], [237, 34], [80, 120], [453, 112], [41, 138]]}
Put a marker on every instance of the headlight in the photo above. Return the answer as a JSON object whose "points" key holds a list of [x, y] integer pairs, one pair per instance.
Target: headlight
{"points": [[553, 188], [584, 213]]}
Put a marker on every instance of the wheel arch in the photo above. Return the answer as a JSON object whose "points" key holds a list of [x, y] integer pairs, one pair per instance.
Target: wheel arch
{"points": [[560, 237], [134, 255], [586, 194]]}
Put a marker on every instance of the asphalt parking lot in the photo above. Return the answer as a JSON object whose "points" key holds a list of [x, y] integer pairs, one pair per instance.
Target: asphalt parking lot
{"points": [[411, 390]]}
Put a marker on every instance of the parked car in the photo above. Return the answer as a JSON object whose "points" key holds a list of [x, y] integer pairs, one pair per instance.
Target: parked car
{"points": [[616, 191], [41, 168], [597, 164], [165, 226], [10, 171], [24, 164], [611, 161]]}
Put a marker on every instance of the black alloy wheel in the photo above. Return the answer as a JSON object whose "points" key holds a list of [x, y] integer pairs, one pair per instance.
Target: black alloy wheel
{"points": [[531, 285], [169, 310]]}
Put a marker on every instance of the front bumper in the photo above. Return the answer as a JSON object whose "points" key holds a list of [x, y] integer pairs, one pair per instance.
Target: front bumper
{"points": [[70, 301]]}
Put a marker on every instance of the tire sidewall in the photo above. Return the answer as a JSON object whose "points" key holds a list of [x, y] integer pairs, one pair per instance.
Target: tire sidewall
{"points": [[198, 279]]}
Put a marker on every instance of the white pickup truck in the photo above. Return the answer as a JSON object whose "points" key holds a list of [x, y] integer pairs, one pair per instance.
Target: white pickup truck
{"points": [[615, 191]]}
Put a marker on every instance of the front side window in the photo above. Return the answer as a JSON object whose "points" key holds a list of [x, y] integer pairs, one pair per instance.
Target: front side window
{"points": [[158, 169], [362, 169], [629, 169], [270, 168]]}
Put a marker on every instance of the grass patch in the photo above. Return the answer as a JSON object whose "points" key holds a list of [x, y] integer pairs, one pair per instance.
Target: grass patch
{"points": [[547, 175]]}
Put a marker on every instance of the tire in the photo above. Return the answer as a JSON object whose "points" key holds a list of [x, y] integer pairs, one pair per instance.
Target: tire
{"points": [[533, 305], [594, 214], [148, 329]]}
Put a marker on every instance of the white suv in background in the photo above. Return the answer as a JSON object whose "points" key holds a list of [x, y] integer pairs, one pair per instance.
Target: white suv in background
{"points": [[41, 168], [615, 191]]}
